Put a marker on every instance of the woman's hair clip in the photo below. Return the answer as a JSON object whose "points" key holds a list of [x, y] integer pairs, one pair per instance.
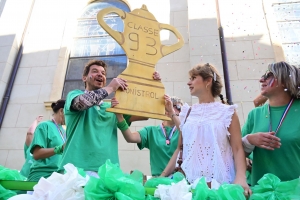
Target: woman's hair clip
{"points": [[215, 76]]}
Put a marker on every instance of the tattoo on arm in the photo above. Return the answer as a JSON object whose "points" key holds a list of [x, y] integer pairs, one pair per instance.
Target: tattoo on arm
{"points": [[88, 99]]}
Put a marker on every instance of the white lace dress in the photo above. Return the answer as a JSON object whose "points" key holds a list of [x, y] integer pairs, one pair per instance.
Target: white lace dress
{"points": [[206, 148]]}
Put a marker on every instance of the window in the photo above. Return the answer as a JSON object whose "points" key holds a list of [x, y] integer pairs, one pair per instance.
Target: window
{"points": [[287, 14], [92, 42]]}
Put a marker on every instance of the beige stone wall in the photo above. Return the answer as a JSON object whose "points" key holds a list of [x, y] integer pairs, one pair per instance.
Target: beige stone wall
{"points": [[11, 30], [49, 38], [249, 49], [33, 84]]}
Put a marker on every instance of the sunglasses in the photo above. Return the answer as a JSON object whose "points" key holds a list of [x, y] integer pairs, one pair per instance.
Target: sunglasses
{"points": [[267, 75], [178, 107]]}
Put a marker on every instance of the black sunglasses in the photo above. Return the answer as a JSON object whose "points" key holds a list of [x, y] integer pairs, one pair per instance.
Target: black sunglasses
{"points": [[267, 75]]}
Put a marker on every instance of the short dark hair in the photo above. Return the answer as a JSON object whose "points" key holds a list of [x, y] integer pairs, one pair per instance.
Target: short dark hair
{"points": [[58, 105], [93, 62]]}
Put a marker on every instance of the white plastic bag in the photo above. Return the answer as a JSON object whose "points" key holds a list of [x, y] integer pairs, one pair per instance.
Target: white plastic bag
{"points": [[68, 186], [178, 191]]}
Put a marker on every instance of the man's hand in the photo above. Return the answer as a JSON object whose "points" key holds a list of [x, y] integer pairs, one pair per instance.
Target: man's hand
{"points": [[114, 102], [249, 164], [117, 83], [156, 76], [39, 118], [265, 140]]}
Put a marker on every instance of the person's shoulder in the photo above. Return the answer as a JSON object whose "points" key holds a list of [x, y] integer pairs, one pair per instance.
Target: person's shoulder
{"points": [[297, 102], [185, 108], [226, 106], [74, 92], [45, 124], [106, 104], [259, 109], [150, 128]]}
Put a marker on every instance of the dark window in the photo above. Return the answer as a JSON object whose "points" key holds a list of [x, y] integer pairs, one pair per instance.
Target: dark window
{"points": [[92, 42]]}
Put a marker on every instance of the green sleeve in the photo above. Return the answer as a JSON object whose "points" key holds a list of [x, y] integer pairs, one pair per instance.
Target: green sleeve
{"points": [[248, 126], [71, 95], [25, 150], [40, 137], [144, 133]]}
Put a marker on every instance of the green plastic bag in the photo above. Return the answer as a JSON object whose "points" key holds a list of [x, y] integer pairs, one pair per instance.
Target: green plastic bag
{"points": [[225, 191], [6, 194], [10, 174], [150, 197], [154, 182], [231, 192], [114, 184], [270, 187]]}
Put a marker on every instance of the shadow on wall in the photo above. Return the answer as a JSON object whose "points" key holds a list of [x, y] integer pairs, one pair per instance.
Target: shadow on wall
{"points": [[31, 88]]}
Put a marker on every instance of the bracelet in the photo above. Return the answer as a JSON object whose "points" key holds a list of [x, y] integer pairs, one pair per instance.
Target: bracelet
{"points": [[248, 148], [58, 149], [123, 126]]}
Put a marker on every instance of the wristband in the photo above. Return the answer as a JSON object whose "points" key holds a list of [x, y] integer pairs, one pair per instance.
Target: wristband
{"points": [[58, 149], [123, 126], [248, 148]]}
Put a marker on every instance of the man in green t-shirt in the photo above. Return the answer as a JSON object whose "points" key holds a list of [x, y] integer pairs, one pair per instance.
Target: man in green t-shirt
{"points": [[161, 140], [91, 131], [272, 131]]}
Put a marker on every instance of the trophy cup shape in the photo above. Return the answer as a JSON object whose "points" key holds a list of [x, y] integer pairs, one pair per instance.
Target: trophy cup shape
{"points": [[142, 45]]}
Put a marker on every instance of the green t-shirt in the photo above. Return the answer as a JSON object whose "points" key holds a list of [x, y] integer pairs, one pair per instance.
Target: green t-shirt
{"points": [[46, 135], [91, 135], [28, 161], [285, 161], [153, 139]]}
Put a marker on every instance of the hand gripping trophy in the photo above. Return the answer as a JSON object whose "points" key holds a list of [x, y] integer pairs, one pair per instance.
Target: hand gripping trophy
{"points": [[141, 43]]}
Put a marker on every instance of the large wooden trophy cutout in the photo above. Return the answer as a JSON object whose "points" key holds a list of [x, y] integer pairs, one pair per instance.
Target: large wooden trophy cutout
{"points": [[141, 43]]}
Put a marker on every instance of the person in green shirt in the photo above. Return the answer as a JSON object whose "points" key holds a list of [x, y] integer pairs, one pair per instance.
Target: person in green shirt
{"points": [[28, 156], [91, 131], [272, 131], [48, 144], [161, 140]]}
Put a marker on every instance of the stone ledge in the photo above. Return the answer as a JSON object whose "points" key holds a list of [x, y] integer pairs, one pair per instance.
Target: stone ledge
{"points": [[47, 104]]}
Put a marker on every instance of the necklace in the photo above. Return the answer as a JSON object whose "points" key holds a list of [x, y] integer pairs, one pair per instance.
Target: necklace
{"points": [[285, 112], [168, 138], [63, 135]]}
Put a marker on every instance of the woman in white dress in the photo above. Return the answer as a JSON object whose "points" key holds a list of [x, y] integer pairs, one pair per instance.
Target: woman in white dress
{"points": [[211, 135]]}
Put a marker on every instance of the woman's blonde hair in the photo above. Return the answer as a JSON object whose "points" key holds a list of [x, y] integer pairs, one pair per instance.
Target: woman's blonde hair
{"points": [[287, 75], [208, 71]]}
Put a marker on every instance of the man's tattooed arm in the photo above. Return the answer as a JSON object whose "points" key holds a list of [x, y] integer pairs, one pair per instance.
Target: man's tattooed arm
{"points": [[88, 99]]}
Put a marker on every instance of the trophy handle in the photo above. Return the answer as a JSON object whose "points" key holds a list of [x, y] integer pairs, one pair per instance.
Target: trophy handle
{"points": [[118, 36], [165, 50]]}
